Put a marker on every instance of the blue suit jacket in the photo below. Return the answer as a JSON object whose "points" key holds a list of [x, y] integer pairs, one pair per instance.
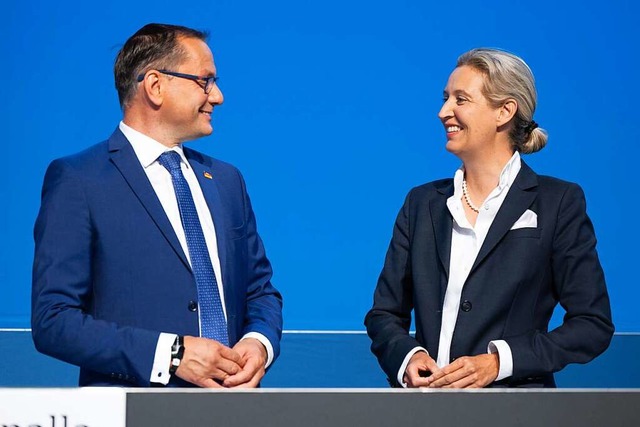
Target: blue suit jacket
{"points": [[109, 273], [518, 278]]}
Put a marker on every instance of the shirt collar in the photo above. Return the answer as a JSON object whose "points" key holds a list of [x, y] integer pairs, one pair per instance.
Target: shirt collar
{"points": [[510, 171], [146, 148], [507, 176]]}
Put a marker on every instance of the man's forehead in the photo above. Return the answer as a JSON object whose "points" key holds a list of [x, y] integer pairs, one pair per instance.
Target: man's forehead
{"points": [[198, 54]]}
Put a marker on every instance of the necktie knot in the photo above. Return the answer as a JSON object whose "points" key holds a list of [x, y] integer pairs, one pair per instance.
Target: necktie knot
{"points": [[170, 160]]}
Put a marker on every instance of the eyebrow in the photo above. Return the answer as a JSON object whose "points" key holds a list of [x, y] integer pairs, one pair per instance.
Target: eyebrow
{"points": [[210, 73], [458, 92], [204, 72]]}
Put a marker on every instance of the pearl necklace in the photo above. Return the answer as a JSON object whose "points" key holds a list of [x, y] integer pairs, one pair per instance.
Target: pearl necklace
{"points": [[467, 198]]}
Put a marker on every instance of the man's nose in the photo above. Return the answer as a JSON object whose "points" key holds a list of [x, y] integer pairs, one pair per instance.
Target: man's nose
{"points": [[215, 96]]}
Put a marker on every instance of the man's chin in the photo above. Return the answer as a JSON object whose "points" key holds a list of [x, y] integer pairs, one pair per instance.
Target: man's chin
{"points": [[195, 137], [205, 131]]}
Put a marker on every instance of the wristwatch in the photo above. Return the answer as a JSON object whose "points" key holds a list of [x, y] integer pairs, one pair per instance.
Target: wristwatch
{"points": [[177, 351]]}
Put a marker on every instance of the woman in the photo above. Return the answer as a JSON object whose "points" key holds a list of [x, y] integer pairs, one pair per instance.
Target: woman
{"points": [[483, 258]]}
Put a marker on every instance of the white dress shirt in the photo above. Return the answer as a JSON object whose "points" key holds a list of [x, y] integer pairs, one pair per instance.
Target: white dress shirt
{"points": [[466, 241], [147, 151]]}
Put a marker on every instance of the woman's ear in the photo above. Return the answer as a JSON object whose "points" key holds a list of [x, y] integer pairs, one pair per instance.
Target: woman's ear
{"points": [[507, 111]]}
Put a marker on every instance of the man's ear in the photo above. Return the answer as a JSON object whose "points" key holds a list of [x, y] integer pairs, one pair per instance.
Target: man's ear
{"points": [[507, 111], [152, 88]]}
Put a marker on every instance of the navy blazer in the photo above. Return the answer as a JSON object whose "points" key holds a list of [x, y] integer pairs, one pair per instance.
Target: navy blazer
{"points": [[518, 277], [109, 273]]}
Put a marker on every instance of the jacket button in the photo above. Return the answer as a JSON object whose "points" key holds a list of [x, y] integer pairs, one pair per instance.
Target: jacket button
{"points": [[466, 306], [193, 306]]}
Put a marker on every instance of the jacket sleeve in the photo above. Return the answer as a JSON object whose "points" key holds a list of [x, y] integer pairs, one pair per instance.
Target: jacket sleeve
{"points": [[264, 303], [389, 319], [62, 324], [578, 280]]}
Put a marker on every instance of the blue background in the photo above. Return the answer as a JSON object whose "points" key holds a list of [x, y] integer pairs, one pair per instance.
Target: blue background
{"points": [[330, 112]]}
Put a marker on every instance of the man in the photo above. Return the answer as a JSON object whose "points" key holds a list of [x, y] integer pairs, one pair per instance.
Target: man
{"points": [[148, 266]]}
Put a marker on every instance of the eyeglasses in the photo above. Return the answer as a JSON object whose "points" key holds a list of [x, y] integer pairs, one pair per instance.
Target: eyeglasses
{"points": [[209, 81]]}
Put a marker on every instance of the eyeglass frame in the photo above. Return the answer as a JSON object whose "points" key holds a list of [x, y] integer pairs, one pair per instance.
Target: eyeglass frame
{"points": [[209, 81]]}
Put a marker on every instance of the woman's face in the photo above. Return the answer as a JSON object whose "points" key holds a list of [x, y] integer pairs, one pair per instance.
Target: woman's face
{"points": [[470, 123]]}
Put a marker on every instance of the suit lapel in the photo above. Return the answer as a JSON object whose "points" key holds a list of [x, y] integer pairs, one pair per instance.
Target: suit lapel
{"points": [[520, 197], [203, 168], [208, 181], [442, 225], [124, 158]]}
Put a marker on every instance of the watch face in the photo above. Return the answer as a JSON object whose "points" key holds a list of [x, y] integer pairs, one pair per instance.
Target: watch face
{"points": [[175, 362]]}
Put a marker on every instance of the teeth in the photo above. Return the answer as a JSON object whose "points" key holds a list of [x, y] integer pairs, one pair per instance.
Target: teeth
{"points": [[453, 128]]}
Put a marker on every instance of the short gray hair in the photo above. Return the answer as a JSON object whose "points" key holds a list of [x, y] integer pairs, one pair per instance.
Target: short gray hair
{"points": [[507, 76]]}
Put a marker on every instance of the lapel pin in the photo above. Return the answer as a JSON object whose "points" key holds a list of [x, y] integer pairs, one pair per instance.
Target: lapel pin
{"points": [[208, 175]]}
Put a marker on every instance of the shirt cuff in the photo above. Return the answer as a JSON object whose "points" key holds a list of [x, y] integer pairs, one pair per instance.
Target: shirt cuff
{"points": [[265, 342], [506, 358], [405, 362], [162, 360]]}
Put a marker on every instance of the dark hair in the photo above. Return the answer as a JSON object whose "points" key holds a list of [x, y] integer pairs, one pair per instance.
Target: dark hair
{"points": [[152, 46]]}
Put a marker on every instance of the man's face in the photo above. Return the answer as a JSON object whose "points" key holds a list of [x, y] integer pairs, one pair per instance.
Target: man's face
{"points": [[186, 109]]}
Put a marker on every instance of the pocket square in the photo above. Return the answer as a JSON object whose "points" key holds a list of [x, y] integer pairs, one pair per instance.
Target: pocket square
{"points": [[529, 219]]}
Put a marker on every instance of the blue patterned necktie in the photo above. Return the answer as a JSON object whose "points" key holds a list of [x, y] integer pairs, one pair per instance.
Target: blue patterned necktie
{"points": [[212, 321]]}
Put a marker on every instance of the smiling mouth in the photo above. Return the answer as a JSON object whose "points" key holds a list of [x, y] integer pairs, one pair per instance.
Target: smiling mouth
{"points": [[451, 129], [206, 113]]}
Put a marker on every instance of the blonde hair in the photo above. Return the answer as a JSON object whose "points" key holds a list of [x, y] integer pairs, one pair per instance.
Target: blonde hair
{"points": [[507, 76]]}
